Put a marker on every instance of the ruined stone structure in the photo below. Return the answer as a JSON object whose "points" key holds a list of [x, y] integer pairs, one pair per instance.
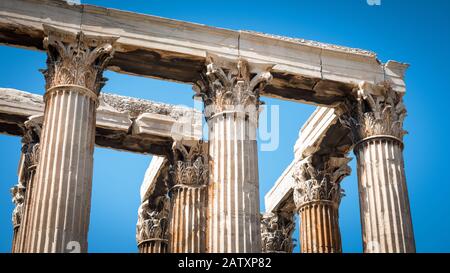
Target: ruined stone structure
{"points": [[197, 195]]}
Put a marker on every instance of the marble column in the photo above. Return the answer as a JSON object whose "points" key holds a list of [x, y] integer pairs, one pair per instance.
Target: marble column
{"points": [[276, 232], [317, 195], [188, 194], [61, 198], [152, 226], [231, 99], [376, 122], [27, 170]]}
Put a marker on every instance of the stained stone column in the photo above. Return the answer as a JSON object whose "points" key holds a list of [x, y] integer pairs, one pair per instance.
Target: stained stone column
{"points": [[27, 170], [152, 225], [61, 198], [231, 99], [317, 195], [376, 122], [187, 229], [276, 232]]}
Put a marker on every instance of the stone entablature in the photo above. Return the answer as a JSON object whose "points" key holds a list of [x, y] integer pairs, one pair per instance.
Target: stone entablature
{"points": [[303, 71], [152, 131]]}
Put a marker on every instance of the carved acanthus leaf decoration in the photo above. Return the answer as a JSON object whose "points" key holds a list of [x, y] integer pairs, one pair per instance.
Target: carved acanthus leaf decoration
{"points": [[276, 232], [320, 181], [190, 164], [153, 219], [18, 198], [230, 89], [76, 60], [375, 112]]}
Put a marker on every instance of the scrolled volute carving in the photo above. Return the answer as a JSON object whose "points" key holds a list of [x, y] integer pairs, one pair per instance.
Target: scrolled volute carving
{"points": [[153, 219], [276, 232], [319, 179], [76, 59], [190, 166], [233, 89], [376, 111]]}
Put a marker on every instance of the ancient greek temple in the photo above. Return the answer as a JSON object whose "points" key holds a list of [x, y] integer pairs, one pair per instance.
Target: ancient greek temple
{"points": [[201, 193]]}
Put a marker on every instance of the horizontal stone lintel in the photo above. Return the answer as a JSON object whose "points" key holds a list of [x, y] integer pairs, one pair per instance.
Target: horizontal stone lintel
{"points": [[150, 46], [152, 185], [123, 123]]}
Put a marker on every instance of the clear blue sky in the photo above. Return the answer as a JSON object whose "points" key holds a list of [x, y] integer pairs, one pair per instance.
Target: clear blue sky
{"points": [[416, 32]]}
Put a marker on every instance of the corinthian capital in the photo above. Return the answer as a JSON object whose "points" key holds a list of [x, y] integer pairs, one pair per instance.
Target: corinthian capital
{"points": [[30, 147], [18, 198], [318, 179], [76, 59], [230, 89], [376, 111], [276, 232], [153, 219], [190, 167]]}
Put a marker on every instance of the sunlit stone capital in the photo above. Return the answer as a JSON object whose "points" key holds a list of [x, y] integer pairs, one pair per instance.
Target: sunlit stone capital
{"points": [[152, 225], [276, 232], [318, 179], [231, 88], [76, 59], [376, 111], [190, 164]]}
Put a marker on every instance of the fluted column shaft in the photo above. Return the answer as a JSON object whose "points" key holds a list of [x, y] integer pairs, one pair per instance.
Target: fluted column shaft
{"points": [[153, 246], [61, 198], [188, 220], [376, 122], [27, 208], [319, 228], [61, 205], [233, 205], [231, 98], [384, 202]]}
